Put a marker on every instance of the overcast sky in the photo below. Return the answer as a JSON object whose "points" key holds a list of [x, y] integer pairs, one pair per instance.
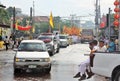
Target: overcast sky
{"points": [[60, 7]]}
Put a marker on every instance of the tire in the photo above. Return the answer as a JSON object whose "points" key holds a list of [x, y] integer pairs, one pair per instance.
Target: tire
{"points": [[47, 70], [16, 70], [52, 52], [117, 77]]}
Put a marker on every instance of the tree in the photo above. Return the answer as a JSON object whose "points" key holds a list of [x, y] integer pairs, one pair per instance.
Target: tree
{"points": [[4, 17], [41, 27], [10, 11]]}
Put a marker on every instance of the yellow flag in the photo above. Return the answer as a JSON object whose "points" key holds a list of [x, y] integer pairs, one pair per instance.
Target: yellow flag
{"points": [[16, 25], [33, 30], [51, 20]]}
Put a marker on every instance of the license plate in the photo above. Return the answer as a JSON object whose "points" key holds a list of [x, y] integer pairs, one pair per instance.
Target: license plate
{"points": [[32, 66]]}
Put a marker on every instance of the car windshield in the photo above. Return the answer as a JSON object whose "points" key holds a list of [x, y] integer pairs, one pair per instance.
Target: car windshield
{"points": [[32, 47], [45, 37], [62, 37]]}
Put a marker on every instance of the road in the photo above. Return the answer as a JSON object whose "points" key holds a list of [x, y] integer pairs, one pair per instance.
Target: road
{"points": [[64, 66]]}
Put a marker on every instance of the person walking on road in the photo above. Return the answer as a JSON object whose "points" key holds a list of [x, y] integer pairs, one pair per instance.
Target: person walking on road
{"points": [[6, 42], [1, 44]]}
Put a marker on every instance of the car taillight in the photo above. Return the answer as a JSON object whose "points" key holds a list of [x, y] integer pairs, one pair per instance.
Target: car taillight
{"points": [[47, 40]]}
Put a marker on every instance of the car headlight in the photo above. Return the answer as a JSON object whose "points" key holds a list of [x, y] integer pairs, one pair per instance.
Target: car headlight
{"points": [[19, 60], [45, 60]]}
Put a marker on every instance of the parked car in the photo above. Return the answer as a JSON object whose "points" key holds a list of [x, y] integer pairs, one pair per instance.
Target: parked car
{"points": [[107, 64], [64, 41], [32, 54], [51, 42]]}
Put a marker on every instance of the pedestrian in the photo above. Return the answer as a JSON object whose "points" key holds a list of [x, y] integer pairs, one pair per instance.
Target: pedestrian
{"points": [[11, 43], [57, 37], [6, 42], [1, 44]]}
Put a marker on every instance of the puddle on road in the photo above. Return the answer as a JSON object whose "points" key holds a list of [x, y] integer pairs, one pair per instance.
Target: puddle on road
{"points": [[58, 73]]}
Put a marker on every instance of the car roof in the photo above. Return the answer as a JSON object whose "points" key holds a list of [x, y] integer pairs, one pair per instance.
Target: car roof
{"points": [[47, 34], [63, 35], [32, 41]]}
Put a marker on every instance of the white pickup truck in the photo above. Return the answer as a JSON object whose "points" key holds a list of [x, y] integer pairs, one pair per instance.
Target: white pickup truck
{"points": [[107, 64]]}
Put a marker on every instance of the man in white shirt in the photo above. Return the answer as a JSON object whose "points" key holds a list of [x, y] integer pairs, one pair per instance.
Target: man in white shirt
{"points": [[57, 37], [102, 47], [86, 64]]}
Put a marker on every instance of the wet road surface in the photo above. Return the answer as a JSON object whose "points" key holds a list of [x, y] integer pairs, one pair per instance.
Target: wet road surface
{"points": [[64, 65]]}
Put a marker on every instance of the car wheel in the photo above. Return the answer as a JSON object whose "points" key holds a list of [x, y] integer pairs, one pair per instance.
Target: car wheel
{"points": [[52, 52], [16, 70], [47, 70], [117, 77]]}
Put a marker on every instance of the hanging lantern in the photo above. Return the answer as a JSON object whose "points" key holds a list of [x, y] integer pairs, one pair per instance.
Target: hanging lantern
{"points": [[116, 9], [102, 25], [116, 23], [116, 3], [116, 16]]}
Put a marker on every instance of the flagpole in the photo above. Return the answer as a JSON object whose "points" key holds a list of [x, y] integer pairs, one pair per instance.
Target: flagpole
{"points": [[49, 28]]}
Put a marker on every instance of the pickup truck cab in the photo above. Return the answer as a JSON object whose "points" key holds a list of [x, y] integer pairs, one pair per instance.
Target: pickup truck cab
{"points": [[107, 64]]}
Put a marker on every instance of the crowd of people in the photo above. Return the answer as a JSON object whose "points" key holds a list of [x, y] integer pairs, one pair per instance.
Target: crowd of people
{"points": [[84, 68], [9, 43]]}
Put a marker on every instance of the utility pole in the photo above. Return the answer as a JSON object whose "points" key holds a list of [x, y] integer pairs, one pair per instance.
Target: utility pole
{"points": [[33, 8], [14, 19], [109, 24], [97, 17], [32, 14], [33, 17], [72, 19], [14, 30]]}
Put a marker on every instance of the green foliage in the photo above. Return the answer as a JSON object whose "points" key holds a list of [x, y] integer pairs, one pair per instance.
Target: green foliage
{"points": [[4, 17], [41, 27], [10, 11], [59, 23], [24, 21]]}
